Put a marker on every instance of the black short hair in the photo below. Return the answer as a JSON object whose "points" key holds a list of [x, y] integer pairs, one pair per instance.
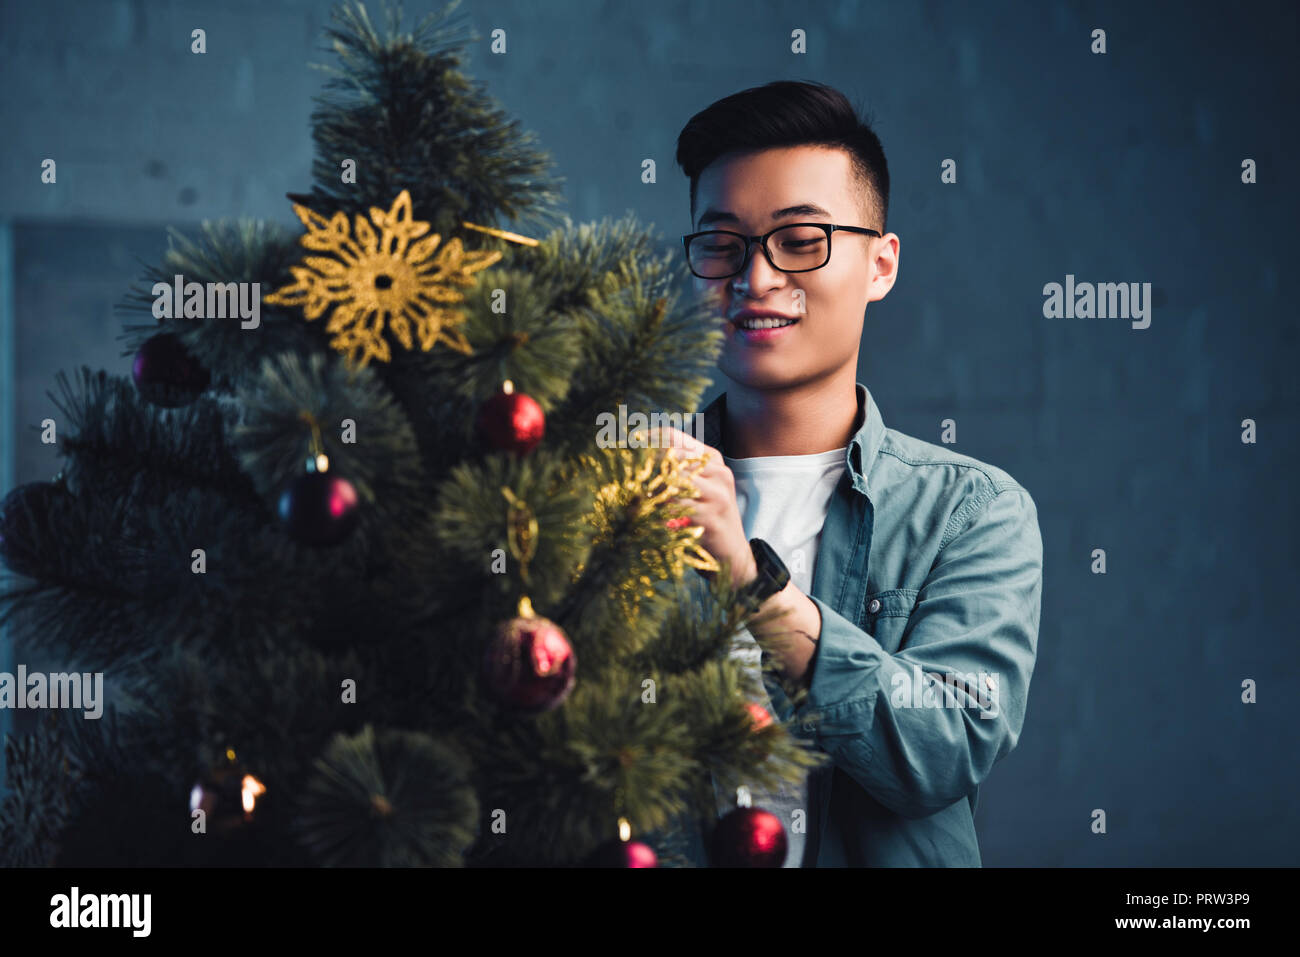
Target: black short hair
{"points": [[788, 113]]}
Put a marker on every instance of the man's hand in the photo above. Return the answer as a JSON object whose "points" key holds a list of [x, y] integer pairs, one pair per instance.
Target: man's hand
{"points": [[797, 621], [715, 510]]}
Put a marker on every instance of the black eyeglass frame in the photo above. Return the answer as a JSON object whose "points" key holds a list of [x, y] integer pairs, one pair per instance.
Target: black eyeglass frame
{"points": [[767, 253]]}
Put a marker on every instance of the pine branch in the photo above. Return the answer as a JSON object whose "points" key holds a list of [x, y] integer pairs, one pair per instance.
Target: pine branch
{"points": [[159, 559], [240, 251], [474, 521], [642, 351], [400, 107], [111, 437], [388, 799], [362, 430]]}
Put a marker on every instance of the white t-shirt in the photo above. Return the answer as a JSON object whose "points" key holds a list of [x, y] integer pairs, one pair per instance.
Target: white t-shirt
{"points": [[783, 500]]}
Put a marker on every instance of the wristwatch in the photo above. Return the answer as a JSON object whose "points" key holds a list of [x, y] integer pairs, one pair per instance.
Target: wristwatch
{"points": [[772, 573]]}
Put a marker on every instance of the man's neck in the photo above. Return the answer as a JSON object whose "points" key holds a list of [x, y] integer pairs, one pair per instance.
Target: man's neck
{"points": [[818, 417]]}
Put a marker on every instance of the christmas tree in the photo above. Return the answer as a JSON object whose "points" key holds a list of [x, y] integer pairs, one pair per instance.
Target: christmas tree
{"points": [[364, 584]]}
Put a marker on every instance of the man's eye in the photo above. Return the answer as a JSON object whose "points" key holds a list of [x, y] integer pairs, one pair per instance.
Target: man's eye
{"points": [[804, 248]]}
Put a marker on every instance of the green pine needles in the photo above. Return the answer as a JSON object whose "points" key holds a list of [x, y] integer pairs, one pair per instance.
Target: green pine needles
{"points": [[346, 678]]}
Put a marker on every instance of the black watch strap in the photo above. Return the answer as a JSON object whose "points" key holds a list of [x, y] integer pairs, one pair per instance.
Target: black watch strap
{"points": [[772, 573]]}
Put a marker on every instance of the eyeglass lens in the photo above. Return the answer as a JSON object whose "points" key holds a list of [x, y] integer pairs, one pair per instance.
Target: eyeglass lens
{"points": [[715, 255]]}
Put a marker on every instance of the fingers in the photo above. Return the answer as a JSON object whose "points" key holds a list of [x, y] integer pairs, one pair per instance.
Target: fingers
{"points": [[686, 446], [676, 438]]}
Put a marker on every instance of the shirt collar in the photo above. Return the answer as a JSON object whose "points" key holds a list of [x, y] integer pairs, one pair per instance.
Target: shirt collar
{"points": [[862, 449]]}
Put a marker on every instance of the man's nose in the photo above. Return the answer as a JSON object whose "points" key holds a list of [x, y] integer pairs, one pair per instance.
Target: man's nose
{"points": [[758, 274]]}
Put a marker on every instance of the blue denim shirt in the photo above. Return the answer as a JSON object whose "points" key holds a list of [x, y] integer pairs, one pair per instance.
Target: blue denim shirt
{"points": [[929, 582]]}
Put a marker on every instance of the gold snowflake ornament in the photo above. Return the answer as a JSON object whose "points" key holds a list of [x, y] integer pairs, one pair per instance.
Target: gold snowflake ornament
{"points": [[380, 275], [646, 483], [650, 483]]}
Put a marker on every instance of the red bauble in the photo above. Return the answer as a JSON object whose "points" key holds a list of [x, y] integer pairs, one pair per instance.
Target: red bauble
{"points": [[618, 853], [529, 664], [166, 374], [761, 718], [749, 837], [319, 508], [511, 421]]}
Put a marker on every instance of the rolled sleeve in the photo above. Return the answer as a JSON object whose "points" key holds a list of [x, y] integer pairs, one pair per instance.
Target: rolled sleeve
{"points": [[975, 621]]}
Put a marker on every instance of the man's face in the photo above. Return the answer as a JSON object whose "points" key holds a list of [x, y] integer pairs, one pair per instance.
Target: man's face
{"points": [[756, 192]]}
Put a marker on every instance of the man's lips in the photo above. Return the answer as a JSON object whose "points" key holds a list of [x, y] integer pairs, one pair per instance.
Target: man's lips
{"points": [[763, 327], [760, 319]]}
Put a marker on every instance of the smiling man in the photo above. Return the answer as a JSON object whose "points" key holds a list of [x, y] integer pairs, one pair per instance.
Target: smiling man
{"points": [[907, 576]]}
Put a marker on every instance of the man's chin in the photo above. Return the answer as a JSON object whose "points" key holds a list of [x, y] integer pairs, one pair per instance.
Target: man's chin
{"points": [[761, 376]]}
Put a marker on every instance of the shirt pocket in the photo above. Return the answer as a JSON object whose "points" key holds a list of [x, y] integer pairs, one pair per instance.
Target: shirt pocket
{"points": [[884, 613]]}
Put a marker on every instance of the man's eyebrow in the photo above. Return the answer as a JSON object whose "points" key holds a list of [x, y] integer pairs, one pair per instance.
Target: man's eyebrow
{"points": [[712, 215]]}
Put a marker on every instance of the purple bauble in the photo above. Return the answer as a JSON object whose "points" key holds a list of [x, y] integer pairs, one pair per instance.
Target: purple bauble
{"points": [[319, 508], [166, 374]]}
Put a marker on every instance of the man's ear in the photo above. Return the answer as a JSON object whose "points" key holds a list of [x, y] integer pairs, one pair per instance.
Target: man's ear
{"points": [[884, 266]]}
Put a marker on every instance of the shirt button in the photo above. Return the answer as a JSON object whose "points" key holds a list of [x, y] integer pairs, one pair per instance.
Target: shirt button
{"points": [[874, 606]]}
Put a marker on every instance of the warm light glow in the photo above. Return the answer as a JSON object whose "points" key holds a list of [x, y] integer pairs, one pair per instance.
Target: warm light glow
{"points": [[322, 463], [624, 829], [252, 788]]}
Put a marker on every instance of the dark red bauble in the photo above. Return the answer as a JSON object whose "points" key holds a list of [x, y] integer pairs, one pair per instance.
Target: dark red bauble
{"points": [[319, 508], [749, 837], [166, 374], [512, 422], [618, 853], [758, 715], [23, 513], [529, 665]]}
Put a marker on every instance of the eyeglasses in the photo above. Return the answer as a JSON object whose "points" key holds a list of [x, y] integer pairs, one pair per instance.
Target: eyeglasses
{"points": [[799, 247]]}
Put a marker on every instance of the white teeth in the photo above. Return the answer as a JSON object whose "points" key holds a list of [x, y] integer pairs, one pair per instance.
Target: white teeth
{"points": [[765, 323]]}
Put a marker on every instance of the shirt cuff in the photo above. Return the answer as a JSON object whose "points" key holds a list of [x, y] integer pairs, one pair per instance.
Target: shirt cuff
{"points": [[845, 677]]}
